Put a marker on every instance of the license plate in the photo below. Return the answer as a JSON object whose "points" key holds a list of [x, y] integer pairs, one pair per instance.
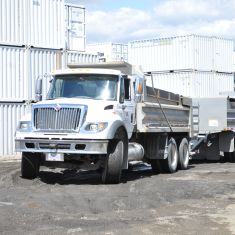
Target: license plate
{"points": [[58, 157]]}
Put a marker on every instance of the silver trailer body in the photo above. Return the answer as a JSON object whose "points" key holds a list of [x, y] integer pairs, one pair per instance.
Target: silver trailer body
{"points": [[213, 126]]}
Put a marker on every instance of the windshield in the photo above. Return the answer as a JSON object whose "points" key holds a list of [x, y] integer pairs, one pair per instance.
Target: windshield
{"points": [[88, 86]]}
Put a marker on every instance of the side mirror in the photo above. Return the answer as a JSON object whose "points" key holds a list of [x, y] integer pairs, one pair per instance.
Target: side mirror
{"points": [[38, 89], [139, 85]]}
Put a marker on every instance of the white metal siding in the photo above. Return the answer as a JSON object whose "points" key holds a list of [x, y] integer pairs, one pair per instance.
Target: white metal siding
{"points": [[13, 73], [46, 23], [13, 18], [39, 23], [9, 117], [71, 57], [41, 62], [19, 69], [193, 84], [110, 51], [183, 53]]}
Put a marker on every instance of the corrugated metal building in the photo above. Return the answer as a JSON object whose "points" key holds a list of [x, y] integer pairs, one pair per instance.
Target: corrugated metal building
{"points": [[193, 83], [35, 38], [39, 23], [192, 65], [190, 52]]}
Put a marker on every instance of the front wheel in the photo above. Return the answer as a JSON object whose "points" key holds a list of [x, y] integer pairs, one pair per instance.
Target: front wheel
{"points": [[29, 165], [113, 163]]}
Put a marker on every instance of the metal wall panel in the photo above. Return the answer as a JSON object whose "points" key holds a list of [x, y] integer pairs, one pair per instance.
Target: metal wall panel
{"points": [[75, 27], [13, 73], [183, 53], [193, 84], [46, 20], [42, 62], [13, 22], [38, 23], [109, 51], [72, 57], [10, 113]]}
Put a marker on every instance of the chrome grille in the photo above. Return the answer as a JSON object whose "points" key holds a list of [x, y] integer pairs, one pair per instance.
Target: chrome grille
{"points": [[52, 119]]}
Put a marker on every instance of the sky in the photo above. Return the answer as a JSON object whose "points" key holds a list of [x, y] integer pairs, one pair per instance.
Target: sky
{"points": [[122, 21]]}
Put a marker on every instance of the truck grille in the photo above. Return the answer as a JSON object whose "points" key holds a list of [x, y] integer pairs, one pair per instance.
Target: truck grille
{"points": [[54, 119]]}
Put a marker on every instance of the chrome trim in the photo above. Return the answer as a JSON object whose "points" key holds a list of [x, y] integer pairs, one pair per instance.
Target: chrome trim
{"points": [[90, 146], [58, 117]]}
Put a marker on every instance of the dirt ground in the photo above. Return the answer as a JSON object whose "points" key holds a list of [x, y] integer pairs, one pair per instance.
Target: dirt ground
{"points": [[200, 200]]}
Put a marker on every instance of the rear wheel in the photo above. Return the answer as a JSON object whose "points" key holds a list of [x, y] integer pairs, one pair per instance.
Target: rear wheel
{"points": [[169, 165], [183, 154], [29, 165], [113, 163]]}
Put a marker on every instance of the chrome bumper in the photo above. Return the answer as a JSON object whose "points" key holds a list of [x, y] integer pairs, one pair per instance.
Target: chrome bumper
{"points": [[72, 146]]}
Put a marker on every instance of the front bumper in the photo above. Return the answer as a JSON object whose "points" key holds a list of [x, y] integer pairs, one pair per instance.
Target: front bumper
{"points": [[61, 145]]}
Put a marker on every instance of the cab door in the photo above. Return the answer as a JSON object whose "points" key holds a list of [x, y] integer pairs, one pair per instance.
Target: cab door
{"points": [[128, 106]]}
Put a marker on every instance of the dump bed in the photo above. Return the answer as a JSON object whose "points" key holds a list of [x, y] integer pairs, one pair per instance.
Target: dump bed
{"points": [[163, 111]]}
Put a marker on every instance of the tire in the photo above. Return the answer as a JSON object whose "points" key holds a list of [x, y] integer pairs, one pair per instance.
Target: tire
{"points": [[169, 165], [29, 165], [183, 154], [112, 170], [229, 157]]}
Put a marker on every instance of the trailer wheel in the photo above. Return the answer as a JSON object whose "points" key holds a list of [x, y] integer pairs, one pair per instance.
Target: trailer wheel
{"points": [[183, 154], [29, 165], [169, 165], [112, 170]]}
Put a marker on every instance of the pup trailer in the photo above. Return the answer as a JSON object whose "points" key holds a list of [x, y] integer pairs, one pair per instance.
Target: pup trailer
{"points": [[101, 117]]}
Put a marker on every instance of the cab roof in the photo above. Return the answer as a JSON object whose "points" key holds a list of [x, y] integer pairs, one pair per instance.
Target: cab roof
{"points": [[115, 68], [86, 71]]}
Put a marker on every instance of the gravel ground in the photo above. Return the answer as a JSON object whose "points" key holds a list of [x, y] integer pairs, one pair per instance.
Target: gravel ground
{"points": [[200, 200]]}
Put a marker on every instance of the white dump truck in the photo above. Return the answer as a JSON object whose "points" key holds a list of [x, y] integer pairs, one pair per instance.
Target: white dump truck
{"points": [[101, 117]]}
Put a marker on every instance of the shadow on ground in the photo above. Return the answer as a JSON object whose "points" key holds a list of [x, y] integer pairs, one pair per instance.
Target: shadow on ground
{"points": [[79, 177]]}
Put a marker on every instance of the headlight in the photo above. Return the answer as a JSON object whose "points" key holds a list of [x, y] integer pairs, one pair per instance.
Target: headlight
{"points": [[24, 126], [96, 127]]}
